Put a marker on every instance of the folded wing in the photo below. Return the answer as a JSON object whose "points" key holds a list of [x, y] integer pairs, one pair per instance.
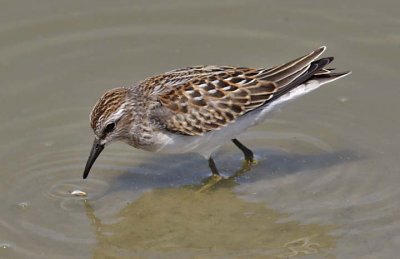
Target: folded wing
{"points": [[197, 100]]}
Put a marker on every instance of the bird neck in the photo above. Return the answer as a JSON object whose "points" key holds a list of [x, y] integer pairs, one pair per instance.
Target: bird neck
{"points": [[141, 131]]}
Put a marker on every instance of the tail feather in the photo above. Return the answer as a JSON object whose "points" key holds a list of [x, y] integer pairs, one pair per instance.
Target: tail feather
{"points": [[329, 77], [313, 68]]}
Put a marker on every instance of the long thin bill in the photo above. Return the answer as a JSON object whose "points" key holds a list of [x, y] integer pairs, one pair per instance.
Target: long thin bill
{"points": [[94, 153]]}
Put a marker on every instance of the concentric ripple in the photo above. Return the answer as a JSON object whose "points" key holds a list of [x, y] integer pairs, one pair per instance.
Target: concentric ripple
{"points": [[39, 206]]}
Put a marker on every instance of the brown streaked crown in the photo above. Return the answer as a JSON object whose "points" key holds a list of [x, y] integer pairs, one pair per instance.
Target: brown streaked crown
{"points": [[107, 104]]}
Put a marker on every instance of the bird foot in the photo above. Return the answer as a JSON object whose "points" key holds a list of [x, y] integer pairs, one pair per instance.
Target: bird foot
{"points": [[210, 182]]}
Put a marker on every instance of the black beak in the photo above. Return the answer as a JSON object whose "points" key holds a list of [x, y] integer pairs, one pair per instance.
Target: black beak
{"points": [[94, 153]]}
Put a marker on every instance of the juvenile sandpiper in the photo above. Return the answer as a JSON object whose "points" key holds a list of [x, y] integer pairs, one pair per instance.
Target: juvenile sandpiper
{"points": [[199, 109]]}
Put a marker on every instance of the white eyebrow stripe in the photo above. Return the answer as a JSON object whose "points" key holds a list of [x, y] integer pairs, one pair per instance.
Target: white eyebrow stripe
{"points": [[116, 115]]}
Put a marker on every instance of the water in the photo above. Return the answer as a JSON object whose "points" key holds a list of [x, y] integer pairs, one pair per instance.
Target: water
{"points": [[326, 181]]}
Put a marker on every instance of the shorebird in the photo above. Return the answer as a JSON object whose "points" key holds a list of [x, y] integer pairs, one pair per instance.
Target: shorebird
{"points": [[199, 109]]}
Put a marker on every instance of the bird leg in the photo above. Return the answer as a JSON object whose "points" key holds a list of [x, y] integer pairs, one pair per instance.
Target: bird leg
{"points": [[213, 179], [213, 167], [248, 154], [216, 180]]}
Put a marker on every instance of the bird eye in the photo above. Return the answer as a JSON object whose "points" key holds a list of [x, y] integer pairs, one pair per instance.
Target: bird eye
{"points": [[110, 127]]}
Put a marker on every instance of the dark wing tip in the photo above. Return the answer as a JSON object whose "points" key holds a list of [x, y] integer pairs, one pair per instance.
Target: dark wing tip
{"points": [[321, 63]]}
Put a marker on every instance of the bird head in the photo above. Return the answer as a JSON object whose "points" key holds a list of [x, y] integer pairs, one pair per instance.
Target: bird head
{"points": [[109, 119]]}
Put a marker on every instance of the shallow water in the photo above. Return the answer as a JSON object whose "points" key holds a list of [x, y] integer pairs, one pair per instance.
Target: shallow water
{"points": [[326, 181]]}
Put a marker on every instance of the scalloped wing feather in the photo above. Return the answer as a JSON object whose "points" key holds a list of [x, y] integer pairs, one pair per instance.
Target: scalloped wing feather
{"points": [[196, 100]]}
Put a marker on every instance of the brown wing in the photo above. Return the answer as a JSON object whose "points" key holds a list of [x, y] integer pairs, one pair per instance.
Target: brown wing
{"points": [[201, 99]]}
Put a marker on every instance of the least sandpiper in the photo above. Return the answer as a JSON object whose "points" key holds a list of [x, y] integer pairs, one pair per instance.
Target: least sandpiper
{"points": [[198, 109]]}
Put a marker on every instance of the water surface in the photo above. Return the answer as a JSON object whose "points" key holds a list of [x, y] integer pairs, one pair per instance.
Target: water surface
{"points": [[326, 181]]}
